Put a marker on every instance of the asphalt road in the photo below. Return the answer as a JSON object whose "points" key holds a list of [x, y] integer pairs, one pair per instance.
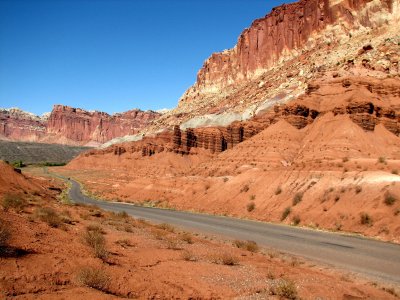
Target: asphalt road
{"points": [[371, 258]]}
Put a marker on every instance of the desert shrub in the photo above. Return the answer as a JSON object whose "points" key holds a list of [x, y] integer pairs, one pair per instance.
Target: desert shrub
{"points": [[285, 288], [297, 198], [285, 213], [395, 172], [245, 188], [5, 234], [18, 164], [382, 160], [358, 189], [172, 244], [123, 214], [229, 260], [337, 198], [252, 197], [94, 227], [225, 179], [94, 278], [390, 199], [296, 220], [345, 159], [278, 190], [96, 240], [166, 227], [188, 256], [15, 202], [187, 237], [50, 216], [124, 243], [366, 219], [250, 206], [246, 245]]}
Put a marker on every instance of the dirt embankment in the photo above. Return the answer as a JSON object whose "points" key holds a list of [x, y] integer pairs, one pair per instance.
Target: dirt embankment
{"points": [[50, 249]]}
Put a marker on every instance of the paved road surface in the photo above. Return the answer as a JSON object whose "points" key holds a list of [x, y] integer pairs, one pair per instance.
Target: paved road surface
{"points": [[372, 258]]}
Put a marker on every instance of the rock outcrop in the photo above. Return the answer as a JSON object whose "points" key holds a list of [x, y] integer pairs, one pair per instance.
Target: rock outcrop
{"points": [[16, 124], [368, 102], [74, 126]]}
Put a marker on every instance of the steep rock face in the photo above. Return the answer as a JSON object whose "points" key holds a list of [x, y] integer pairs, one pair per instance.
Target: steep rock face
{"points": [[16, 124], [81, 126], [68, 125], [285, 29]]}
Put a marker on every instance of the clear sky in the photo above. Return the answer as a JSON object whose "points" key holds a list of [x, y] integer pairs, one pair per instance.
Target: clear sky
{"points": [[112, 55]]}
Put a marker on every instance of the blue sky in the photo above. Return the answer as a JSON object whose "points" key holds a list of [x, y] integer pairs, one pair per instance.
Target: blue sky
{"points": [[112, 55]]}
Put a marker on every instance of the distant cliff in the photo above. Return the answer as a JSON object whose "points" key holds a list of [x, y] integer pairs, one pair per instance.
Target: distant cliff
{"points": [[73, 126]]}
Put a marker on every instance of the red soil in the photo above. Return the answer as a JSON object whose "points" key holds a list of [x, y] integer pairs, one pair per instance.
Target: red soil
{"points": [[148, 261]]}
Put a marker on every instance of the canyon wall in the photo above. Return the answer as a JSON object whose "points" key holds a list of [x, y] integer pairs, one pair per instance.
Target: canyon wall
{"points": [[74, 126], [283, 50]]}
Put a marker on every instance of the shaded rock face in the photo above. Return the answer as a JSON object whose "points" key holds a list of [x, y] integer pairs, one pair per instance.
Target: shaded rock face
{"points": [[72, 125]]}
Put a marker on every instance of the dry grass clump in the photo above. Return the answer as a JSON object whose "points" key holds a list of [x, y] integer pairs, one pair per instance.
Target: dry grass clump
{"points": [[246, 245], [124, 243], [95, 239], [285, 288], [94, 278], [297, 198], [358, 189], [94, 227], [188, 256], [278, 190], [245, 188], [225, 258], [50, 216], [166, 227], [366, 219], [173, 244], [296, 220], [5, 234], [14, 202], [390, 199], [187, 237], [250, 206], [285, 213]]}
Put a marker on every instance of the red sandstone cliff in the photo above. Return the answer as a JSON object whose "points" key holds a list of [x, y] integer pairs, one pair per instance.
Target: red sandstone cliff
{"points": [[68, 125], [286, 28]]}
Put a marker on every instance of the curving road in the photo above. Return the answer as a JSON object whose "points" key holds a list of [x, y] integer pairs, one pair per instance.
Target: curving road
{"points": [[375, 259]]}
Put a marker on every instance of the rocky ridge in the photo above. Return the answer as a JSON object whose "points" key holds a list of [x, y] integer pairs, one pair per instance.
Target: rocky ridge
{"points": [[279, 55], [73, 126]]}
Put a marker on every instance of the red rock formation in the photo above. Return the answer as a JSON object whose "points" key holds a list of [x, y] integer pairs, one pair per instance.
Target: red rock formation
{"points": [[82, 126], [16, 124], [286, 28], [72, 125]]}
